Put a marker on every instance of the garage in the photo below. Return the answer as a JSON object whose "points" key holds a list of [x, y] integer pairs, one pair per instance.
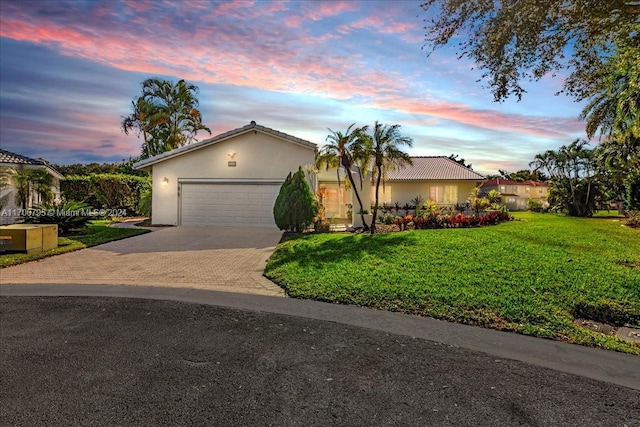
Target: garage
{"points": [[231, 179], [247, 204]]}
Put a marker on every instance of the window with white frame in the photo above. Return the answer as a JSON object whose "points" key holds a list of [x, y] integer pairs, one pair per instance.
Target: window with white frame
{"points": [[447, 194]]}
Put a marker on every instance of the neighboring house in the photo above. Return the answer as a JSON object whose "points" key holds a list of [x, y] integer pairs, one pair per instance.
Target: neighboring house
{"points": [[515, 193], [11, 162], [230, 179], [436, 178]]}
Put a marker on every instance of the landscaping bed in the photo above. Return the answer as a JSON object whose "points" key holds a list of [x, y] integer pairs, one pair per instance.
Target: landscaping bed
{"points": [[534, 276]]}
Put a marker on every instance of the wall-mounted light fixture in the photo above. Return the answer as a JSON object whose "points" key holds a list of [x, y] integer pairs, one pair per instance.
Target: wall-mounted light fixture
{"points": [[231, 155], [165, 181]]}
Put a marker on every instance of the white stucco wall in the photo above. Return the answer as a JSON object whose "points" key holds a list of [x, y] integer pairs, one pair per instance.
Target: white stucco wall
{"points": [[258, 156]]}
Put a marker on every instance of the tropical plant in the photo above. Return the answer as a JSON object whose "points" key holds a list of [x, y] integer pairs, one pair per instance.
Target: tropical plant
{"points": [[166, 115], [145, 201], [295, 207], [494, 196], [574, 187], [69, 215], [337, 154], [27, 183], [320, 222], [477, 202]]}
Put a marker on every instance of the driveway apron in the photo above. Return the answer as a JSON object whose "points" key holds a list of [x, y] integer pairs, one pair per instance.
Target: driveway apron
{"points": [[229, 259]]}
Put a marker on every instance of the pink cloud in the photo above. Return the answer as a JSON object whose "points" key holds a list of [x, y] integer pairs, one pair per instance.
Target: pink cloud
{"points": [[265, 56], [319, 10]]}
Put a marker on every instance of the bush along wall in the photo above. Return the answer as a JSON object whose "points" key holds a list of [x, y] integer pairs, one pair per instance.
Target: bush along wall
{"points": [[106, 191]]}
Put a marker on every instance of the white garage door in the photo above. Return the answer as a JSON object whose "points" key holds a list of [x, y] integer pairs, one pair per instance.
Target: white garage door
{"points": [[228, 204]]}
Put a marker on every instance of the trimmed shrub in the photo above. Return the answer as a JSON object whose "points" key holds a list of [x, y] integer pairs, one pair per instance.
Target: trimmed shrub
{"points": [[295, 207]]}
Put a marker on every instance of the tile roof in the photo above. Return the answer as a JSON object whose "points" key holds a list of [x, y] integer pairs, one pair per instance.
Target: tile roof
{"points": [[433, 168], [495, 182], [17, 159], [218, 138], [9, 158]]}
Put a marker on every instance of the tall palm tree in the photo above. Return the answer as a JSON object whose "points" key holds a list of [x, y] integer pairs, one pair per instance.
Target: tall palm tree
{"points": [[386, 141], [146, 120], [177, 104], [166, 115], [338, 153]]}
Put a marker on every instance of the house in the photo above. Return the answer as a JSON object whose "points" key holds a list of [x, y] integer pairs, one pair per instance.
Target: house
{"points": [[234, 179], [515, 194], [436, 178], [11, 166], [230, 179]]}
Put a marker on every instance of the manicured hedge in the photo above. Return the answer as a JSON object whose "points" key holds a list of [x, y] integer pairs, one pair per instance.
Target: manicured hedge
{"points": [[106, 191]]}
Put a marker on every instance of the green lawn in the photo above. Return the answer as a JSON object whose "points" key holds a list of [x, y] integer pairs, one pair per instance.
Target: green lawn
{"points": [[96, 233], [530, 276]]}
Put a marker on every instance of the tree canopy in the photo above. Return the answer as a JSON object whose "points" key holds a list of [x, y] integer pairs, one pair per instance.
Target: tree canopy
{"points": [[525, 40], [165, 115]]}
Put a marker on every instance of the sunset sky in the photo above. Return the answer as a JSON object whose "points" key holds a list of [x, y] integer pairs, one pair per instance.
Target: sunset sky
{"points": [[69, 71]]}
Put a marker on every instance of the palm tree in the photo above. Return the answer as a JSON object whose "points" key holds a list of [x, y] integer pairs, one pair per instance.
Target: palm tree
{"points": [[166, 115], [177, 105], [27, 183], [146, 120], [572, 176], [387, 156], [338, 153]]}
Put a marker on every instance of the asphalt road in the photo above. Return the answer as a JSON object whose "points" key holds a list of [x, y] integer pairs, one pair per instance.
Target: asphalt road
{"points": [[114, 361]]}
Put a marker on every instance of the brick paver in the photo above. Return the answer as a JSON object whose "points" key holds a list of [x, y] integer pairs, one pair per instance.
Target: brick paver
{"points": [[228, 259]]}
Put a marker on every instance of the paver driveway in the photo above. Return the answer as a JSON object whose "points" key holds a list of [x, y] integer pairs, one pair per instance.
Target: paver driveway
{"points": [[217, 258]]}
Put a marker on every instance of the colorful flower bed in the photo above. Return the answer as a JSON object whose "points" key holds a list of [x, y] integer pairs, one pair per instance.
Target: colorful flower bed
{"points": [[434, 220]]}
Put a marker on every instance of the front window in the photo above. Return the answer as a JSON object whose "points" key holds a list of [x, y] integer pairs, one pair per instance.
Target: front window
{"points": [[447, 194], [334, 201], [384, 196]]}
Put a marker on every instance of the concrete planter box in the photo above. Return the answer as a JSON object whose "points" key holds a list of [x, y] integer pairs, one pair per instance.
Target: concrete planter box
{"points": [[29, 238]]}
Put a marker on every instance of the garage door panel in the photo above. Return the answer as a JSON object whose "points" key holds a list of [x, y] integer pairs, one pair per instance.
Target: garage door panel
{"points": [[228, 204]]}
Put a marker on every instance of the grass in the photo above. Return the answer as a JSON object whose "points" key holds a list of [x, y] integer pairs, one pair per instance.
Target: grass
{"points": [[532, 276], [96, 233]]}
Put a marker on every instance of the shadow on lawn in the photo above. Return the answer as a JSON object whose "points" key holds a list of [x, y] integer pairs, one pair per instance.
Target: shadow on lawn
{"points": [[307, 252]]}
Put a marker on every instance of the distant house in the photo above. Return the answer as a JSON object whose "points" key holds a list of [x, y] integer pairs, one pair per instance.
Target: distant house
{"points": [[436, 178], [11, 166], [515, 193]]}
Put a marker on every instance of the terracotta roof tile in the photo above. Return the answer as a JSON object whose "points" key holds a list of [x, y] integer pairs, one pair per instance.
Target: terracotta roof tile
{"points": [[434, 168], [495, 182]]}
